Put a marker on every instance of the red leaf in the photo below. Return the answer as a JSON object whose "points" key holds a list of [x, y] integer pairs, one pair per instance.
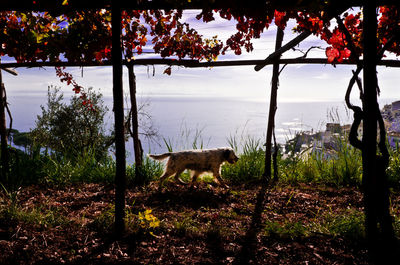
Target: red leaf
{"points": [[280, 19], [168, 71], [332, 54]]}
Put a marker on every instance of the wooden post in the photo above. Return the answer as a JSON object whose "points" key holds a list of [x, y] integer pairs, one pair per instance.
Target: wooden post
{"points": [[381, 241], [137, 146], [272, 107], [370, 107], [3, 133], [370, 119], [120, 180]]}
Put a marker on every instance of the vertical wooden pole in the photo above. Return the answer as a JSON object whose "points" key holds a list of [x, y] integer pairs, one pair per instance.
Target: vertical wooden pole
{"points": [[272, 107], [120, 181], [370, 107], [137, 146], [3, 133], [381, 242]]}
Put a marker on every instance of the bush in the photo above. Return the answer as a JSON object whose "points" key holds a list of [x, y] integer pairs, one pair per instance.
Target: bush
{"points": [[86, 168], [74, 128]]}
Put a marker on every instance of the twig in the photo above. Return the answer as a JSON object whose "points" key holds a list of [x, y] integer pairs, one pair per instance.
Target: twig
{"points": [[306, 53], [44, 239]]}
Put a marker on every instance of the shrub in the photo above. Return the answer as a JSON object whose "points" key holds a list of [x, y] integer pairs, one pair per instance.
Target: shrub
{"points": [[86, 168], [74, 128]]}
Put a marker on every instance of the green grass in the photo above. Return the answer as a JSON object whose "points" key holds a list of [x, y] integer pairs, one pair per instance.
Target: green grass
{"points": [[348, 224], [343, 168], [250, 166], [287, 230], [42, 215]]}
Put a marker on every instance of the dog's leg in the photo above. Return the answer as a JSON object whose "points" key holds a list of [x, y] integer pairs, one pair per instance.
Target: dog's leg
{"points": [[177, 178], [217, 175], [168, 172], [196, 174]]}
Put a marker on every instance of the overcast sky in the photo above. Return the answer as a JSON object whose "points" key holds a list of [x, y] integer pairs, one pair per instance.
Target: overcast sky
{"points": [[297, 82]]}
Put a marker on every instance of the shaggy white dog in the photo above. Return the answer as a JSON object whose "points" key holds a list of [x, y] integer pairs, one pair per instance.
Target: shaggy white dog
{"points": [[199, 161]]}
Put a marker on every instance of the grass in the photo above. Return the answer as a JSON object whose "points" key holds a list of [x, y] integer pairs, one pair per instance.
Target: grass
{"points": [[250, 166], [186, 226], [343, 168], [42, 215], [348, 224], [287, 230]]}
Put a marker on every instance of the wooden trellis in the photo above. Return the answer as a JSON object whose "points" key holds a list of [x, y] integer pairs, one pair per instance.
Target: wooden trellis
{"points": [[369, 64]]}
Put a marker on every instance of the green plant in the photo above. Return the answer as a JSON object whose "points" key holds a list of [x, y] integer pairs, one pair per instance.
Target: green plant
{"points": [[290, 230], [393, 170], [143, 222], [250, 165], [147, 221], [186, 226], [339, 167], [150, 170], [85, 168], [187, 139], [11, 212], [349, 224], [74, 128]]}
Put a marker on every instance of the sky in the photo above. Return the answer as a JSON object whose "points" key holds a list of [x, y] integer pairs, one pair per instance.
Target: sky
{"points": [[298, 83]]}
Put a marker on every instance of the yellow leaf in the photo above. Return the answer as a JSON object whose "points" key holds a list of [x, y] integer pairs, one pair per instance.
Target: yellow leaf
{"points": [[65, 2]]}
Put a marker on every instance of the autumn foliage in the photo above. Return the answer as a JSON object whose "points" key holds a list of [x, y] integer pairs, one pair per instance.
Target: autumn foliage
{"points": [[85, 36]]}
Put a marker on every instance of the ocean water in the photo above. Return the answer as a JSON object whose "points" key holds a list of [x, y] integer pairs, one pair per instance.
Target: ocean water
{"points": [[208, 122]]}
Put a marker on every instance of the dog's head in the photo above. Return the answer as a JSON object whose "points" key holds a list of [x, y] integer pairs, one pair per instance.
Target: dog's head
{"points": [[230, 156]]}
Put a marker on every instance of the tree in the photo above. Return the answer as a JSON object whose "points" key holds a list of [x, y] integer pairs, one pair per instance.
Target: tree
{"points": [[75, 128]]}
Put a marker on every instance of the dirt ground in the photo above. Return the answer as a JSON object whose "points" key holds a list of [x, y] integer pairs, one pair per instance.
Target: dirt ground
{"points": [[204, 225]]}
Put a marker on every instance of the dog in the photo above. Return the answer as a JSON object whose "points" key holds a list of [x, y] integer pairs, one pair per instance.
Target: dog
{"points": [[198, 161]]}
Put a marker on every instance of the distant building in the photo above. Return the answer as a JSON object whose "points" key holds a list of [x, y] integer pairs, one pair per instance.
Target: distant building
{"points": [[333, 127], [396, 105], [346, 129]]}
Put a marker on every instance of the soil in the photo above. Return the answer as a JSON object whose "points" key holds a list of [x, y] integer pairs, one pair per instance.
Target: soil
{"points": [[201, 225]]}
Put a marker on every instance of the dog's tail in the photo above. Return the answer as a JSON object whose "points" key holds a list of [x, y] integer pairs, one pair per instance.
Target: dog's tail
{"points": [[159, 157]]}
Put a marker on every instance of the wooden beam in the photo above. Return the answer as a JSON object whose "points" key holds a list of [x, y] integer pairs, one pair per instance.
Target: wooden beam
{"points": [[273, 56], [10, 71], [193, 63]]}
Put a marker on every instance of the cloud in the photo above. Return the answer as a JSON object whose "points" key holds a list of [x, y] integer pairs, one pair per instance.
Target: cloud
{"points": [[323, 76]]}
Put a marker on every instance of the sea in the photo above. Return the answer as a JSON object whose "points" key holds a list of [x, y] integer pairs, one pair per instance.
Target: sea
{"points": [[187, 122]]}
